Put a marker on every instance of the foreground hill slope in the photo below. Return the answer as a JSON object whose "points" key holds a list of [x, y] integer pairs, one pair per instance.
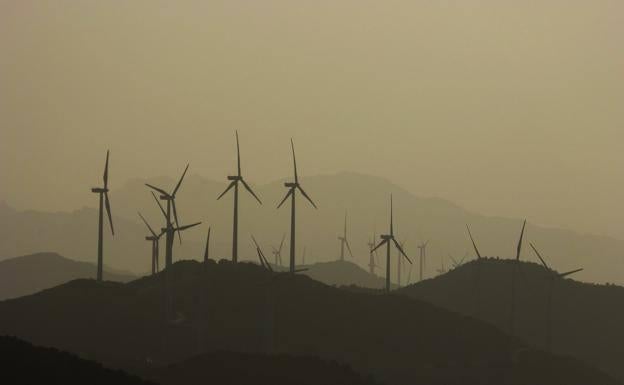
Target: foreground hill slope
{"points": [[23, 363], [227, 368], [247, 309], [587, 318], [29, 274]]}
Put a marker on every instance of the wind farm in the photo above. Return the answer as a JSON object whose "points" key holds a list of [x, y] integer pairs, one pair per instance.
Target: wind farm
{"points": [[311, 193]]}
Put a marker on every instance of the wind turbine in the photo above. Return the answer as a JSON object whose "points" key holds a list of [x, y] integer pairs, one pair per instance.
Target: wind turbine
{"points": [[478, 267], [371, 264], [235, 179], [553, 276], [170, 229], [385, 240], [512, 313], [263, 261], [423, 254], [154, 238], [457, 264], [103, 193], [292, 190], [277, 253], [344, 242], [442, 269]]}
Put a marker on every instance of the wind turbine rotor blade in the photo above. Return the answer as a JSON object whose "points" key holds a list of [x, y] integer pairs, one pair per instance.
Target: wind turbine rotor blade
{"points": [[163, 192], [401, 250], [292, 146], [162, 210], [288, 194], [268, 265], [255, 242], [563, 275], [186, 227], [238, 155], [349, 248], [519, 248], [226, 190], [306, 196], [391, 217], [539, 256], [106, 171], [250, 190], [206, 250], [260, 258], [379, 245], [175, 216], [473, 243], [108, 211], [180, 181], [147, 224], [282, 244]]}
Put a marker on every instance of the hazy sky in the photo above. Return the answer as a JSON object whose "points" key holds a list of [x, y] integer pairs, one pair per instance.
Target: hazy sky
{"points": [[512, 108]]}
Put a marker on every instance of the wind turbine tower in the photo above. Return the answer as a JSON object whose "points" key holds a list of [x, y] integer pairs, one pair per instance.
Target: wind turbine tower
{"points": [[169, 226], [103, 194], [235, 180], [553, 276], [386, 239], [292, 192], [154, 238], [344, 242]]}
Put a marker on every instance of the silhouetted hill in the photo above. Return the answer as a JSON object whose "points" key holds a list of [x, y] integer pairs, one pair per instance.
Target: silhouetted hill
{"points": [[343, 273], [25, 364], [227, 368], [364, 197], [31, 273], [587, 318], [244, 308]]}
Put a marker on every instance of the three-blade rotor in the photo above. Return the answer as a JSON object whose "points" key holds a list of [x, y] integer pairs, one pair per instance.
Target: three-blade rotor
{"points": [[390, 237], [235, 179], [293, 186], [553, 273], [170, 197]]}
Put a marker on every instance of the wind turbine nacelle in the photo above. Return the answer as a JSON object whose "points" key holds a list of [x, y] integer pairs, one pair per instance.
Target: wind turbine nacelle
{"points": [[290, 184], [99, 190], [386, 237], [233, 177]]}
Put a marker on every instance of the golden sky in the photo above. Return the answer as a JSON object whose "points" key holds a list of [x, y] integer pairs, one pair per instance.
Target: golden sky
{"points": [[511, 108]]}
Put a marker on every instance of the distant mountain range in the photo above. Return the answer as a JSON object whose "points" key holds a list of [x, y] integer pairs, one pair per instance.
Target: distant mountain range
{"points": [[244, 308], [343, 273], [365, 198], [587, 318], [29, 274]]}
